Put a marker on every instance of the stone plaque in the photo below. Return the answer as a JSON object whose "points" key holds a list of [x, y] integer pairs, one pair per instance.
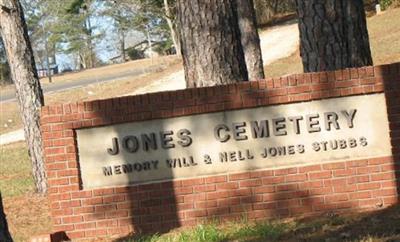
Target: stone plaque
{"points": [[234, 141]]}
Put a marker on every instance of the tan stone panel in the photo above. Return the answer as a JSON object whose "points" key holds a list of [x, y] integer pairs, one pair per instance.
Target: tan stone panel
{"points": [[295, 135]]}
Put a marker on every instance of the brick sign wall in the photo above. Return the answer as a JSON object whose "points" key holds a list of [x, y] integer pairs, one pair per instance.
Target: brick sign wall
{"points": [[86, 209]]}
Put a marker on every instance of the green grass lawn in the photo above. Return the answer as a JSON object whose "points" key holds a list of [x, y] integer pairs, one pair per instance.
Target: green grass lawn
{"points": [[377, 226], [27, 212], [16, 170]]}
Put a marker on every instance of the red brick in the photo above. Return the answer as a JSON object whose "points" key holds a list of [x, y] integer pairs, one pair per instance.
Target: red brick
{"points": [[93, 217], [107, 223], [241, 208], [369, 186], [288, 203], [67, 173], [216, 179], [336, 198], [117, 214], [383, 176], [58, 182], [299, 89], [183, 190], [95, 233], [196, 213], [204, 188], [69, 188], [273, 180], [309, 168], [83, 210], [62, 212], [300, 210], [250, 183], [285, 171], [345, 172], [227, 186], [320, 175], [239, 176], [369, 202], [357, 163], [387, 184], [193, 182], [217, 195], [379, 161], [311, 201], [287, 187], [385, 192], [264, 189], [296, 178], [367, 170], [345, 188], [385, 168], [206, 204], [346, 204], [81, 194], [321, 191], [93, 201], [194, 197], [102, 192], [76, 234], [334, 166], [70, 204], [217, 211], [361, 179], [360, 195], [68, 228], [72, 219], [391, 200], [56, 166]]}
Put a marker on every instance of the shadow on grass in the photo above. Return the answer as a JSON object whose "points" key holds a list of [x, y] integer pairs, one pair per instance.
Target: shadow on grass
{"points": [[382, 225]]}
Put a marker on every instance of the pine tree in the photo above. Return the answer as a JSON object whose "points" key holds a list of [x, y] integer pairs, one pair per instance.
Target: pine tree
{"points": [[29, 94], [210, 42], [333, 34], [250, 39]]}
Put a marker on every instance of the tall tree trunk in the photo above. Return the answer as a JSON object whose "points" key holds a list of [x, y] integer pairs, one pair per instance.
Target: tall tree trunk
{"points": [[5, 235], [210, 43], [250, 39], [91, 60], [333, 34], [172, 29], [122, 43], [28, 91], [46, 50], [149, 42]]}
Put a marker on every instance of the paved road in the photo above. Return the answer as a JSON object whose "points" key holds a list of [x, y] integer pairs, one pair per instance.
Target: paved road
{"points": [[277, 42], [8, 96]]}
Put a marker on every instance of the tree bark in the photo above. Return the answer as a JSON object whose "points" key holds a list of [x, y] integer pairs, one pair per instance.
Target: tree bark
{"points": [[333, 35], [250, 39], [28, 91], [210, 43], [122, 43], [5, 235], [172, 27]]}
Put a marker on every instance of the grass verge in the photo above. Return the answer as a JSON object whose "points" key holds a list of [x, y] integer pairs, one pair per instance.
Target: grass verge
{"points": [[10, 119], [378, 226], [27, 212], [215, 232]]}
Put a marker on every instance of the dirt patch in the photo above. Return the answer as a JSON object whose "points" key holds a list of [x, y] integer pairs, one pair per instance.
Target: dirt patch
{"points": [[27, 215]]}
